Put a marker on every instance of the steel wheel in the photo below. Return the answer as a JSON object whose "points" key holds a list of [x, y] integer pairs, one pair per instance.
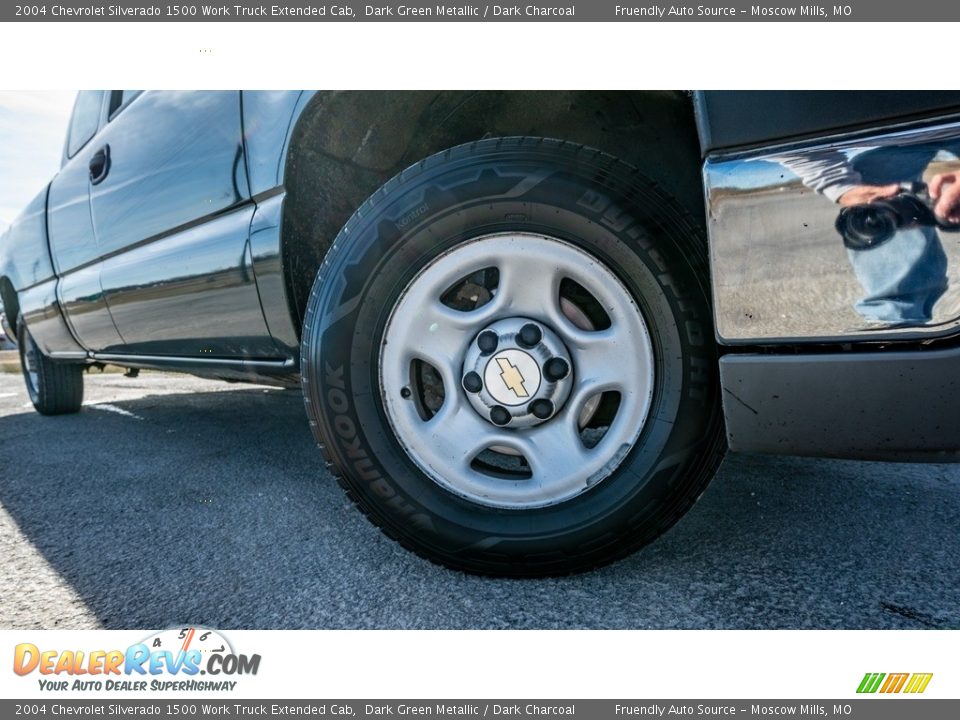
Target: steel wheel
{"points": [[31, 365], [517, 373]]}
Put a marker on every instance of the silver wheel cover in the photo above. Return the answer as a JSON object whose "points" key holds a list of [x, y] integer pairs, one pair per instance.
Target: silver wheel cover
{"points": [[619, 358], [31, 362]]}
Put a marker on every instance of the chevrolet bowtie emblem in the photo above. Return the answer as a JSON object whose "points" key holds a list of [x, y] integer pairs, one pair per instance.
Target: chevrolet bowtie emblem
{"points": [[512, 377]]}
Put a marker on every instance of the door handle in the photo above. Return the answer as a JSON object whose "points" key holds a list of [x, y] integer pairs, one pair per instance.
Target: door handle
{"points": [[100, 165]]}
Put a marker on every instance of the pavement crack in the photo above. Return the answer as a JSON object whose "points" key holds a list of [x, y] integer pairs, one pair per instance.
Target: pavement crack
{"points": [[911, 614]]}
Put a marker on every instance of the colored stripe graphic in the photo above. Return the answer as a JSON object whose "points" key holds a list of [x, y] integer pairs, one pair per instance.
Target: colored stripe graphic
{"points": [[894, 683], [918, 683], [870, 682]]}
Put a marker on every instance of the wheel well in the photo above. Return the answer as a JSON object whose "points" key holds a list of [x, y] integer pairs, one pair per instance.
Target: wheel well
{"points": [[347, 144], [11, 308]]}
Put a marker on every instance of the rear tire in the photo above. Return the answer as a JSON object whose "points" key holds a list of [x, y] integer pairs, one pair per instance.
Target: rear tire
{"points": [[540, 213], [55, 388]]}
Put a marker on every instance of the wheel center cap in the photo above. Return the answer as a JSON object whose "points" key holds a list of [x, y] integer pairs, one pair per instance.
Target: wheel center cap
{"points": [[512, 377], [517, 373]]}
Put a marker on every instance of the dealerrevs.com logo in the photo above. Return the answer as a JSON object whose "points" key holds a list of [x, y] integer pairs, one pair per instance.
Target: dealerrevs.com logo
{"points": [[170, 660]]}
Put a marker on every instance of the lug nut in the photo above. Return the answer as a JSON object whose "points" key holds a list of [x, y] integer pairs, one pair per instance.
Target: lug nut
{"points": [[556, 369], [529, 335], [472, 382], [488, 341], [499, 415], [541, 408]]}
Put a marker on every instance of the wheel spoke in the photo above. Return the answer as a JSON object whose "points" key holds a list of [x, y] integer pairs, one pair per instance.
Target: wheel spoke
{"points": [[438, 335], [554, 449], [605, 360], [457, 434], [530, 287]]}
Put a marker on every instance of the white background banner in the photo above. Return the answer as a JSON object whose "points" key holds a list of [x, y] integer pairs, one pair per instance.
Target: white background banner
{"points": [[547, 664]]}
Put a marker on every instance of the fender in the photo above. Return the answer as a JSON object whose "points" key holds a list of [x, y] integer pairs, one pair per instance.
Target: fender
{"points": [[28, 281], [24, 251], [269, 118]]}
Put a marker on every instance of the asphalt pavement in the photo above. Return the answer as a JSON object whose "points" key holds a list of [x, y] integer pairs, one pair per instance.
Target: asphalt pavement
{"points": [[171, 500]]}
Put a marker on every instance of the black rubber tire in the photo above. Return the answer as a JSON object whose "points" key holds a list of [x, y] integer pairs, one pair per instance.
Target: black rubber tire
{"points": [[558, 189], [59, 388]]}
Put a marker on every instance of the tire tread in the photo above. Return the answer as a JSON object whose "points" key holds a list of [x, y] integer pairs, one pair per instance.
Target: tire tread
{"points": [[60, 390]]}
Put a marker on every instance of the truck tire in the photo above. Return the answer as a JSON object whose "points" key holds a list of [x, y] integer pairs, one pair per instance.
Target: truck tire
{"points": [[55, 388], [508, 359]]}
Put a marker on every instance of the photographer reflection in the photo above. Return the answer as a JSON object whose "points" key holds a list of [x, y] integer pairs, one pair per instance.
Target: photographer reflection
{"points": [[890, 222]]}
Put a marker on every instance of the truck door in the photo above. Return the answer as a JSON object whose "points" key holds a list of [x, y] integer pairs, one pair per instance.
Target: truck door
{"points": [[172, 213], [73, 244]]}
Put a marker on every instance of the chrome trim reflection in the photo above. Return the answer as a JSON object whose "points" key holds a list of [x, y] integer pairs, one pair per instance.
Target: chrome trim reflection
{"points": [[851, 239], [281, 373]]}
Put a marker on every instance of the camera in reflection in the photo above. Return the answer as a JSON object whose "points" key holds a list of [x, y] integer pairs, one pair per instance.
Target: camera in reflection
{"points": [[867, 226]]}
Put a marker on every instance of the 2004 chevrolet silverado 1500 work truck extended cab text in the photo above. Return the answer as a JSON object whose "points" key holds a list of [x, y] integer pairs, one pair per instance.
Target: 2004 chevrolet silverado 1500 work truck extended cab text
{"points": [[527, 325]]}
